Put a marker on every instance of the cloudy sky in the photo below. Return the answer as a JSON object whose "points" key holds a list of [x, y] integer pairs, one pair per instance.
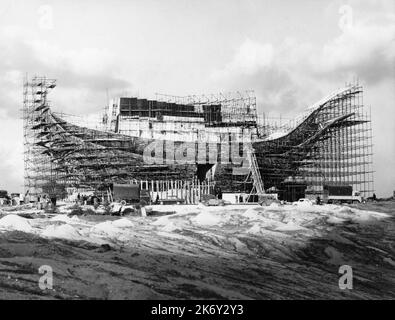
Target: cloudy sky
{"points": [[291, 53]]}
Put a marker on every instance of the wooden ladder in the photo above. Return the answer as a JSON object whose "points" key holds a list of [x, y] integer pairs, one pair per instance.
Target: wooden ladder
{"points": [[255, 174]]}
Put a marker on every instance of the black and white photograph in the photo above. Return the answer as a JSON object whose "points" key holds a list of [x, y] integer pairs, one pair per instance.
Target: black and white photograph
{"points": [[192, 150]]}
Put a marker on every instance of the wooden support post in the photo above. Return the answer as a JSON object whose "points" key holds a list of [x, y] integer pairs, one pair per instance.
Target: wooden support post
{"points": [[190, 192], [198, 191], [193, 192], [152, 191], [187, 192]]}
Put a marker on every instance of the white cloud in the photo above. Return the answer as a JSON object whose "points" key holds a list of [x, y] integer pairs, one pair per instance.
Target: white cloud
{"points": [[84, 74], [365, 48], [250, 56]]}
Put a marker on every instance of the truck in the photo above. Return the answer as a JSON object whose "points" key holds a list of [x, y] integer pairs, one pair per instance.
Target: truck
{"points": [[4, 198], [341, 194], [130, 198]]}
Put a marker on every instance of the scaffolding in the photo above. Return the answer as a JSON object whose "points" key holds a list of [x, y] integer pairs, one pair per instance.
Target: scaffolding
{"points": [[236, 108], [330, 143], [59, 154], [344, 156], [39, 170], [340, 152]]}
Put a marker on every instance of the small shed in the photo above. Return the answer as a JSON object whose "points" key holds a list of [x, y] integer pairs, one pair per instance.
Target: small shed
{"points": [[127, 192], [292, 191]]}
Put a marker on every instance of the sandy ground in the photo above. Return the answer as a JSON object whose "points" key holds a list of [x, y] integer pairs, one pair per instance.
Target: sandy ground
{"points": [[231, 252]]}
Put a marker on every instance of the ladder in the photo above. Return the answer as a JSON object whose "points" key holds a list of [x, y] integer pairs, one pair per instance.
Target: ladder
{"points": [[255, 174]]}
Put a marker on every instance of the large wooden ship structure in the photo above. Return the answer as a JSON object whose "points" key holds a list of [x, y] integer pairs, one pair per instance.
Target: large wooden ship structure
{"points": [[216, 138]]}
